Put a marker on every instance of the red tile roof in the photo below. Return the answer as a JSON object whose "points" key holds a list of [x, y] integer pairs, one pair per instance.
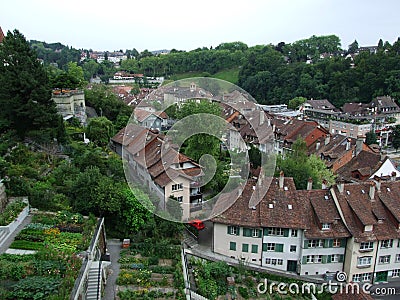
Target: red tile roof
{"points": [[1, 35]]}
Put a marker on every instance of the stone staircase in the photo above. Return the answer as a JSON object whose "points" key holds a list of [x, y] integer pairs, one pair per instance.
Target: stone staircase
{"points": [[94, 284], [189, 239], [3, 236]]}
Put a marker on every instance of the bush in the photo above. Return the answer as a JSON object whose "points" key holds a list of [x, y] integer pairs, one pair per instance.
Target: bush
{"points": [[243, 292], [11, 212], [35, 287]]}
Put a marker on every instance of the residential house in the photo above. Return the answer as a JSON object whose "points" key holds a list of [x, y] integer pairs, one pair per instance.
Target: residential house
{"points": [[337, 150], [370, 212], [154, 163], [287, 230], [151, 119], [353, 130], [319, 110], [367, 165], [285, 134], [70, 103]]}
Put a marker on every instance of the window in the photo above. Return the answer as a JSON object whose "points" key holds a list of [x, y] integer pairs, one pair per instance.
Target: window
{"points": [[367, 246], [275, 231], [293, 248], [255, 233], [268, 261], [254, 248], [364, 261], [326, 226], [385, 259], [177, 187], [366, 277], [396, 273], [315, 243], [356, 277], [280, 262], [232, 246], [294, 233], [314, 259], [273, 261], [335, 258], [234, 230], [245, 247], [387, 244], [270, 247], [397, 258], [179, 199], [336, 243]]}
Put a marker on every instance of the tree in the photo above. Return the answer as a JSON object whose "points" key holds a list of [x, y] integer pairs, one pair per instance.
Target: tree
{"points": [[370, 137], [296, 102], [25, 95], [396, 137], [301, 167], [100, 130], [353, 47], [76, 72]]}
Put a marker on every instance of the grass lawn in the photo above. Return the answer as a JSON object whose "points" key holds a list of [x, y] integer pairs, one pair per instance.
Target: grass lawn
{"points": [[230, 75]]}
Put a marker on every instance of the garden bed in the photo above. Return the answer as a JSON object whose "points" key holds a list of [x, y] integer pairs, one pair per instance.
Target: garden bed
{"points": [[50, 273], [151, 270]]}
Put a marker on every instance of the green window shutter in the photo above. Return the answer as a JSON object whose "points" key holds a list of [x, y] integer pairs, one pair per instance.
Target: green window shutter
{"points": [[330, 243], [264, 247], [324, 259], [341, 257], [245, 247], [265, 231], [305, 244], [329, 259], [285, 232], [278, 247], [343, 243], [326, 243], [232, 246], [246, 232], [259, 233], [304, 260], [238, 232], [254, 248], [229, 229]]}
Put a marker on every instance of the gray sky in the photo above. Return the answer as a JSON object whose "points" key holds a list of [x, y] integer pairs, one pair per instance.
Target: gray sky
{"points": [[186, 25]]}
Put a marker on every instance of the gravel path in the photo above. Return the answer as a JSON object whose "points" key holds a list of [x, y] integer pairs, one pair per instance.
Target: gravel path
{"points": [[114, 248]]}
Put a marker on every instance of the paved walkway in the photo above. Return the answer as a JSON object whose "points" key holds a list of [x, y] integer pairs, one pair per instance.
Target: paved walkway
{"points": [[114, 248], [11, 237]]}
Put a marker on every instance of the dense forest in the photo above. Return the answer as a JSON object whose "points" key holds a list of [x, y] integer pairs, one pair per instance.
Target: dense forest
{"points": [[316, 67]]}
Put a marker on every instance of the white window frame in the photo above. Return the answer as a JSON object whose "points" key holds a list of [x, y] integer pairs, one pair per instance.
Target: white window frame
{"points": [[397, 258], [335, 258], [326, 226], [366, 277], [384, 259], [364, 261], [177, 187], [387, 244], [179, 199], [396, 273], [366, 246], [293, 248], [275, 231], [356, 278], [254, 232], [293, 233], [336, 243], [271, 246], [234, 230]]}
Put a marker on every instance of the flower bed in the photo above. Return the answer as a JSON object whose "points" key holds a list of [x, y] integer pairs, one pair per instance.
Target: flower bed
{"points": [[11, 212]]}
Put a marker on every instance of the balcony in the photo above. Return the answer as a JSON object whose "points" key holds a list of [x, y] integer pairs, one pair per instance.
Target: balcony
{"points": [[196, 207], [196, 196]]}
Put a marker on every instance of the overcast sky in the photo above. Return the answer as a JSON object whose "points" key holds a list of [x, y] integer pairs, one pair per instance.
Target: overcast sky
{"points": [[186, 25]]}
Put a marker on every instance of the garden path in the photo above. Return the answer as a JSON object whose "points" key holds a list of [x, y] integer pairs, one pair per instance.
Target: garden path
{"points": [[114, 248]]}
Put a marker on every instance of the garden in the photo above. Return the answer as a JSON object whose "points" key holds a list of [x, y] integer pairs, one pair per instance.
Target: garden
{"points": [[51, 270], [218, 280], [151, 269]]}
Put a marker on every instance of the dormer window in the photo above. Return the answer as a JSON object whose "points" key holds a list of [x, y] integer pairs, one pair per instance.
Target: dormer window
{"points": [[326, 226]]}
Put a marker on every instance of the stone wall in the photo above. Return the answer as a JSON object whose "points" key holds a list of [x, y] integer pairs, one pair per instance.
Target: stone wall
{"points": [[3, 197]]}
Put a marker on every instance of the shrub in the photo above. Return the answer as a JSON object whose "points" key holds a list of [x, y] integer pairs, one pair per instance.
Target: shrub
{"points": [[35, 287], [243, 292], [11, 212]]}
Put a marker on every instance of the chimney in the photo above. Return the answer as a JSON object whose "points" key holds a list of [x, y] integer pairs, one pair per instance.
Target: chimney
{"points": [[309, 184], [372, 191], [317, 145], [262, 117], [348, 144], [359, 145], [324, 184], [281, 179], [378, 184], [269, 122], [393, 176], [327, 139], [340, 186], [273, 128]]}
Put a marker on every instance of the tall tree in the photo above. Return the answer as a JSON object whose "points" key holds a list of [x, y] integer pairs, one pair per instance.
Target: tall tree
{"points": [[370, 138], [25, 96], [396, 137]]}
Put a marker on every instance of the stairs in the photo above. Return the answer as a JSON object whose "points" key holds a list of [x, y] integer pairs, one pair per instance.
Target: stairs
{"points": [[94, 283], [3, 236], [189, 239]]}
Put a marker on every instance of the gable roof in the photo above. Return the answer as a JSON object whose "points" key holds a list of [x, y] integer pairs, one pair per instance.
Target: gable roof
{"points": [[366, 163], [322, 104]]}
